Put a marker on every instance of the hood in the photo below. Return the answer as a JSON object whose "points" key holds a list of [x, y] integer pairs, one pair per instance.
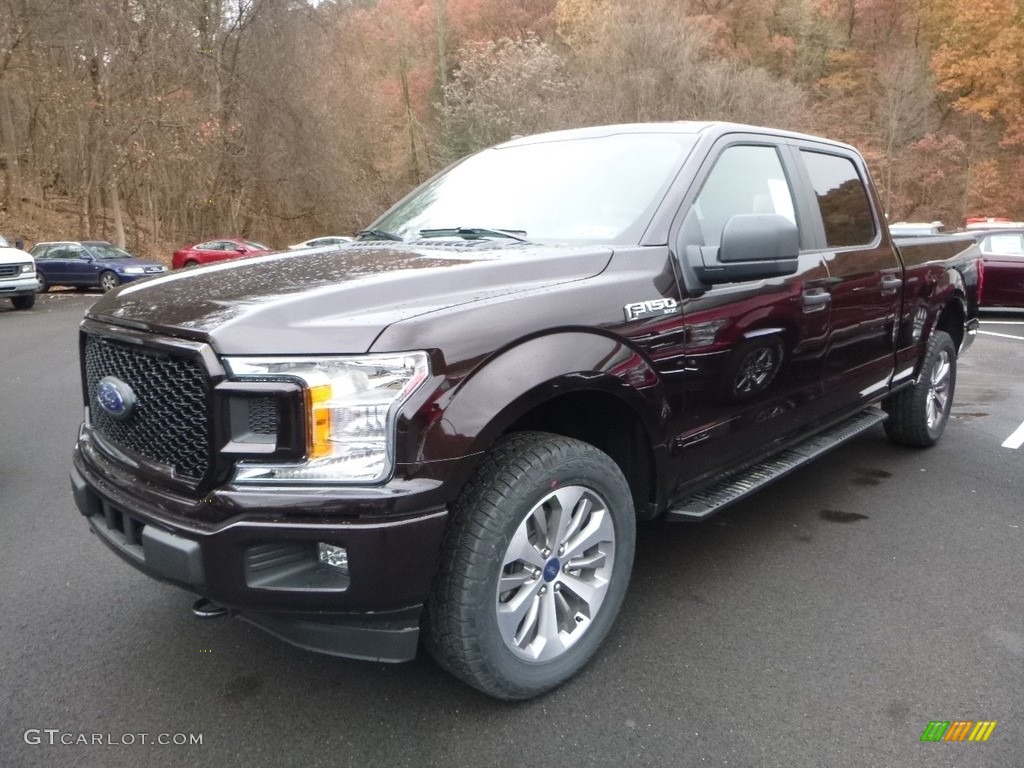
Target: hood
{"points": [[335, 301], [14, 256]]}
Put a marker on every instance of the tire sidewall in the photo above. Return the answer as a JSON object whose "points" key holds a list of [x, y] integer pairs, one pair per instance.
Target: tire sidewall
{"points": [[940, 341], [528, 677]]}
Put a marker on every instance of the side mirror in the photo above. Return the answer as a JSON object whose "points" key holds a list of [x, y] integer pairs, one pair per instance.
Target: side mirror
{"points": [[239, 249], [755, 246], [84, 256]]}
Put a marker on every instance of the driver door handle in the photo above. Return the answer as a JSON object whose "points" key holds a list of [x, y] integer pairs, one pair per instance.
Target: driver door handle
{"points": [[816, 299], [890, 284]]}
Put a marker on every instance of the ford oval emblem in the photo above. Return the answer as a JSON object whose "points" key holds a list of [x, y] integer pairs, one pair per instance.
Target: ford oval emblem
{"points": [[115, 398]]}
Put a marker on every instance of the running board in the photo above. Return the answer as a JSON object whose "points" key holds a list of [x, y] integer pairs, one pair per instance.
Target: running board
{"points": [[743, 483]]}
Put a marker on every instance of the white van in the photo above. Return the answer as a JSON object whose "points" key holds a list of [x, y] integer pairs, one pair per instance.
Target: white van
{"points": [[17, 276]]}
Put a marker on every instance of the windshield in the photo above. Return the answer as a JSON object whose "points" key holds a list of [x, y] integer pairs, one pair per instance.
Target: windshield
{"points": [[107, 251], [602, 189], [257, 246]]}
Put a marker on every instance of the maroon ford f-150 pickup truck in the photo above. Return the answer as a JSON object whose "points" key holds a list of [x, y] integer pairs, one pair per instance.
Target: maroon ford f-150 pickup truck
{"points": [[455, 422]]}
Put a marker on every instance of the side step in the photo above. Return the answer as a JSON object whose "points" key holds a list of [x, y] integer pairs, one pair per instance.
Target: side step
{"points": [[743, 483]]}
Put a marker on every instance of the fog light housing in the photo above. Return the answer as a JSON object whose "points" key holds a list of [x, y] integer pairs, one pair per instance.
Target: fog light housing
{"points": [[333, 557]]}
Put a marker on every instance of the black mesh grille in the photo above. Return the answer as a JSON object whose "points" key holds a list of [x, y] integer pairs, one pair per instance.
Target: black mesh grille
{"points": [[263, 415], [168, 424]]}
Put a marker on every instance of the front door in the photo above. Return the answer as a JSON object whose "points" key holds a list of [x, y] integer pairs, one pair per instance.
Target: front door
{"points": [[753, 355]]}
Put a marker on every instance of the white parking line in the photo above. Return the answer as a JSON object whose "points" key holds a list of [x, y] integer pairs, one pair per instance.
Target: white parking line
{"points": [[1001, 335], [1016, 440]]}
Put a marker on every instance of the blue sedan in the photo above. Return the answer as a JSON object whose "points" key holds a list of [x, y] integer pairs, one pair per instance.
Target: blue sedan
{"points": [[89, 264]]}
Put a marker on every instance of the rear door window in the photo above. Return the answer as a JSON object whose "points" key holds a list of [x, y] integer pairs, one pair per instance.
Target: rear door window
{"points": [[842, 199]]}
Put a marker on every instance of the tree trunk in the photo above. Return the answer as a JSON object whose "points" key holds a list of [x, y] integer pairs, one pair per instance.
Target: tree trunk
{"points": [[403, 73], [12, 170], [115, 209], [92, 148]]}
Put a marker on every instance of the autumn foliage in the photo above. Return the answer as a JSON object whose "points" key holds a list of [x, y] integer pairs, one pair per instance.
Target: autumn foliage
{"points": [[157, 122]]}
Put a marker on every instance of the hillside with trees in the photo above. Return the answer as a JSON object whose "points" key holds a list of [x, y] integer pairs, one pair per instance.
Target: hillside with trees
{"points": [[156, 122]]}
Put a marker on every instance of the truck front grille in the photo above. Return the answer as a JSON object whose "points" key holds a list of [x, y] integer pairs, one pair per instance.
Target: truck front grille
{"points": [[168, 424], [9, 270]]}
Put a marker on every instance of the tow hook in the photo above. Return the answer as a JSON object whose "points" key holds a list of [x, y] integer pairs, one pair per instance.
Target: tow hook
{"points": [[204, 608]]}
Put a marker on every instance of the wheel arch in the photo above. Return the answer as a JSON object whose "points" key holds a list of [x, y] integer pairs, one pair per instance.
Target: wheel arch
{"points": [[610, 425], [953, 319], [578, 384]]}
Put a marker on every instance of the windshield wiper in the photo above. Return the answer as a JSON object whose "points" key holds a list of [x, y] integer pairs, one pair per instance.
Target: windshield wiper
{"points": [[379, 234], [511, 234]]}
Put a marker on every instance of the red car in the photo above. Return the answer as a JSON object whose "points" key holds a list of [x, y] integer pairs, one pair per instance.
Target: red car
{"points": [[210, 251], [1002, 268]]}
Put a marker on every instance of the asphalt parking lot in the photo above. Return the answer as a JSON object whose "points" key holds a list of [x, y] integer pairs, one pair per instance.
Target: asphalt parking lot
{"points": [[824, 622]]}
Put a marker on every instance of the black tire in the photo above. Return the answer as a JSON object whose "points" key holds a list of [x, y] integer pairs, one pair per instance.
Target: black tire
{"points": [[918, 414], [43, 285], [516, 486], [190, 264], [24, 302], [109, 281]]}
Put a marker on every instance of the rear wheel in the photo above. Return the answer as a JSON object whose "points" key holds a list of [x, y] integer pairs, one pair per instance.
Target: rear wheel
{"points": [[190, 264], [109, 281], [24, 302], [918, 414], [535, 566]]}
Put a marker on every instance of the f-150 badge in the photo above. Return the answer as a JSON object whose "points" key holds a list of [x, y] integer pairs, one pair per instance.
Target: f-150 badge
{"points": [[641, 310]]}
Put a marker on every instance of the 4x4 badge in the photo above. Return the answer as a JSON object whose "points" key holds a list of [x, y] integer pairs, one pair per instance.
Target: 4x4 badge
{"points": [[115, 398], [641, 310]]}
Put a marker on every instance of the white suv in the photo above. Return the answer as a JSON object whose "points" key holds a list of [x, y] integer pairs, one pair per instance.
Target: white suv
{"points": [[17, 276]]}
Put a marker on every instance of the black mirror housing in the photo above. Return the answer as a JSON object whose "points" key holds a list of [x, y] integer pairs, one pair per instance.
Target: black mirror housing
{"points": [[755, 246]]}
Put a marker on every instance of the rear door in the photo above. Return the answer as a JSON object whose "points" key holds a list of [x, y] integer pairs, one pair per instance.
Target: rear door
{"points": [[61, 264], [205, 253], [1003, 264], [865, 283], [221, 250]]}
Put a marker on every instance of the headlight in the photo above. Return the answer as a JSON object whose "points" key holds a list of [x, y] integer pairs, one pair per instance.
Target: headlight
{"points": [[134, 270], [27, 268], [351, 405]]}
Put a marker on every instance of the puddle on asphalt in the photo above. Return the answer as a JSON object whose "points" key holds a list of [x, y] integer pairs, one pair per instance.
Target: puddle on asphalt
{"points": [[834, 516]]}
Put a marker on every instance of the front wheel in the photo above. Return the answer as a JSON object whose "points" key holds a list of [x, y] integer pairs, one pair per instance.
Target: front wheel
{"points": [[109, 281], [918, 414], [43, 285], [24, 302], [535, 566]]}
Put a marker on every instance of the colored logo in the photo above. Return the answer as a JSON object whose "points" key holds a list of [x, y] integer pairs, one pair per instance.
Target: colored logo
{"points": [[551, 569], [958, 730], [115, 398]]}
